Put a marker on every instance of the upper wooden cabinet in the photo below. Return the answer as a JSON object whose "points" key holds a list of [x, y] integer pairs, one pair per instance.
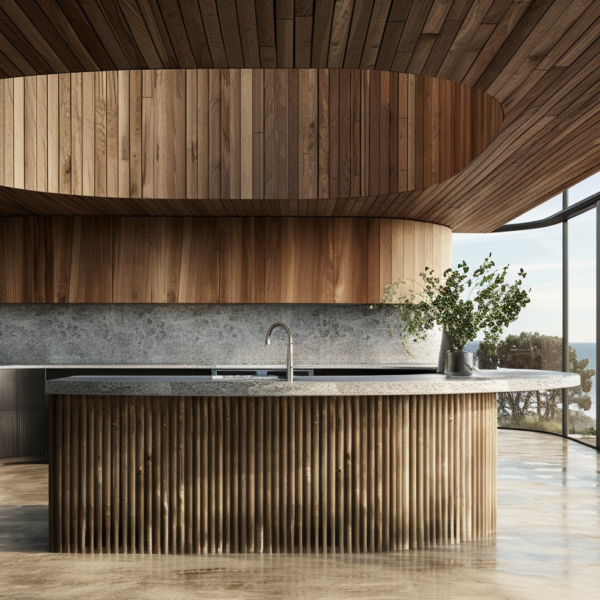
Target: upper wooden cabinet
{"points": [[211, 259], [225, 135]]}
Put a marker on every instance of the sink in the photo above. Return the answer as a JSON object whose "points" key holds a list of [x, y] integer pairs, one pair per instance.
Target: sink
{"points": [[248, 376]]}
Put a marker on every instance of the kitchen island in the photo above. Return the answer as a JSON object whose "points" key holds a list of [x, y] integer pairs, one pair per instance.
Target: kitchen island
{"points": [[344, 463]]}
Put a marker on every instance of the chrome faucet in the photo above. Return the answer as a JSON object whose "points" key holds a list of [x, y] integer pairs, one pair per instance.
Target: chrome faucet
{"points": [[290, 352]]}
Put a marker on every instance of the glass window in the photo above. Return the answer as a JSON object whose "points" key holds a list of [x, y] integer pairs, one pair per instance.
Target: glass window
{"points": [[584, 189], [547, 209], [534, 341], [582, 325]]}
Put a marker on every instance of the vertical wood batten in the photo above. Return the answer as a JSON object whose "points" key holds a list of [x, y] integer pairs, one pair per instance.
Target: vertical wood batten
{"points": [[298, 474], [220, 135]]}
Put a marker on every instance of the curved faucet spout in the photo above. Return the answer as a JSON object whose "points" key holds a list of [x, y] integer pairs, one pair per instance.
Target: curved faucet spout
{"points": [[290, 352]]}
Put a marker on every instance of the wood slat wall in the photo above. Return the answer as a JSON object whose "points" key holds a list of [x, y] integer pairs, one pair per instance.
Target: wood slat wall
{"points": [[229, 134], [271, 475], [212, 259], [538, 58]]}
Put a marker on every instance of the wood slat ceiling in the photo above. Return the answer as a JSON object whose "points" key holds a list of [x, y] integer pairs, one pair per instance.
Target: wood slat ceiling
{"points": [[539, 58]]}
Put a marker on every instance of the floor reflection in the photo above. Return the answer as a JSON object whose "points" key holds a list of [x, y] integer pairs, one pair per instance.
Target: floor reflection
{"points": [[547, 546]]}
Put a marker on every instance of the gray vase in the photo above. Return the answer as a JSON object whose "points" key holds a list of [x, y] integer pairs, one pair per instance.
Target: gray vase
{"points": [[459, 363]]}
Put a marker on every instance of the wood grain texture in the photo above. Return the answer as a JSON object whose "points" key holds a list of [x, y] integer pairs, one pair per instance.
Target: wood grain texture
{"points": [[213, 259], [539, 59], [271, 475], [193, 137]]}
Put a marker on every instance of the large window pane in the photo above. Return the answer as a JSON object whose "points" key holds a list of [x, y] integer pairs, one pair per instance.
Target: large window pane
{"points": [[547, 209], [584, 189], [582, 324], [534, 341]]}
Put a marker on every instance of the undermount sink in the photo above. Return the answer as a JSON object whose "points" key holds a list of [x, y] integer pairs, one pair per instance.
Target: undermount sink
{"points": [[249, 376]]}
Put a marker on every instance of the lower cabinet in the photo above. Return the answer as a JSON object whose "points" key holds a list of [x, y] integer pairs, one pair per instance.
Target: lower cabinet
{"points": [[23, 414]]}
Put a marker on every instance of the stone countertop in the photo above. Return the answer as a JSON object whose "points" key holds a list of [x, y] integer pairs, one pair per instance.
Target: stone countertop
{"points": [[502, 380], [249, 367]]}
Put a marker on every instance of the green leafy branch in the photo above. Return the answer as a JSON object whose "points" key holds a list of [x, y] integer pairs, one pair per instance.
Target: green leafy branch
{"points": [[462, 303]]}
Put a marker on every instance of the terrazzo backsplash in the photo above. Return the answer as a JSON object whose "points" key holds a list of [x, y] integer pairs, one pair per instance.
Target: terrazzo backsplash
{"points": [[204, 335]]}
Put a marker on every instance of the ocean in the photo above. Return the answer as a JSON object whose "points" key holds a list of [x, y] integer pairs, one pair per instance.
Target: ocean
{"points": [[584, 350]]}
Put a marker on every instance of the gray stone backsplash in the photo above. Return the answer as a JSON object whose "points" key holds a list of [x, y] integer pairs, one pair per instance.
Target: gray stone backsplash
{"points": [[204, 335]]}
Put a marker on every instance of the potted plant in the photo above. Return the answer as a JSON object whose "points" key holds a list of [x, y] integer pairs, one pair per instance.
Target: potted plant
{"points": [[462, 304]]}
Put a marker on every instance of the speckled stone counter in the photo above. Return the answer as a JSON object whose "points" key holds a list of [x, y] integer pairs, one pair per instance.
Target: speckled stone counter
{"points": [[502, 380], [328, 464]]}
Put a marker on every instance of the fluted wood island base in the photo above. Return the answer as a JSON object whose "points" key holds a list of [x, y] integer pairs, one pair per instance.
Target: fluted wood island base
{"points": [[138, 474]]}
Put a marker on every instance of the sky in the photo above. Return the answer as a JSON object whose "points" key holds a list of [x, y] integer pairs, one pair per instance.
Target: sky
{"points": [[539, 253]]}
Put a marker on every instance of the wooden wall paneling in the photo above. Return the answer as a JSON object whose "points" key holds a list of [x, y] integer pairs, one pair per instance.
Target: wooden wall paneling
{"points": [[393, 133], [199, 272], [19, 133], [408, 242], [214, 134], [334, 134], [428, 149], [386, 134], [100, 155], [281, 142], [241, 259], [258, 138], [135, 134], [439, 256], [403, 133], [355, 133], [132, 278], [191, 133], [76, 134], [324, 136], [394, 247], [346, 123], [307, 257], [273, 259], [169, 134], [225, 120], [365, 146], [411, 115], [203, 134], [30, 132], [423, 253], [374, 160], [124, 125], [166, 248], [60, 251], [8, 85], [16, 260], [269, 133], [538, 39], [434, 170], [241, 276], [374, 260], [91, 272], [246, 133], [419, 132], [64, 133], [2, 165], [148, 133], [324, 169], [351, 260], [112, 134], [88, 133], [293, 177]]}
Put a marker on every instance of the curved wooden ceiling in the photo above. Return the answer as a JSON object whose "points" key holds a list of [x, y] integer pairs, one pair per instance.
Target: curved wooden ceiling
{"points": [[538, 58]]}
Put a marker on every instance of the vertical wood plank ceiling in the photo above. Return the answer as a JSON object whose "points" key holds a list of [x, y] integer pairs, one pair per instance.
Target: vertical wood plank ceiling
{"points": [[538, 58]]}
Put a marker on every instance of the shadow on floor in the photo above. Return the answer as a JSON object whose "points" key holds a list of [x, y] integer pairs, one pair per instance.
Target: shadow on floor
{"points": [[24, 528]]}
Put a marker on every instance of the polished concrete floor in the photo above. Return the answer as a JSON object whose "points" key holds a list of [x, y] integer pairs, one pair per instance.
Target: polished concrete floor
{"points": [[547, 546]]}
